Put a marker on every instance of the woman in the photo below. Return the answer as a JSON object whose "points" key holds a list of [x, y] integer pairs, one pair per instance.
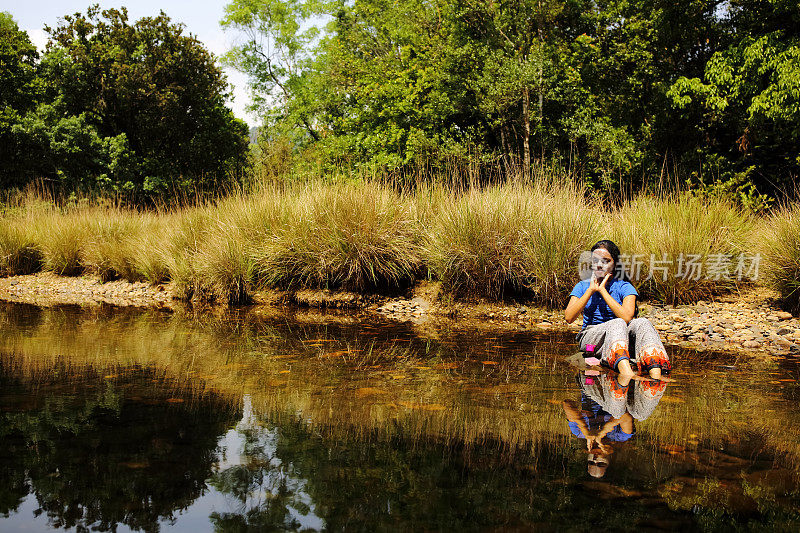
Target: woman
{"points": [[608, 304], [606, 410]]}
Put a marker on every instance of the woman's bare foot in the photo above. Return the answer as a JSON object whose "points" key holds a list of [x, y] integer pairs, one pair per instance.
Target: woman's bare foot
{"points": [[655, 373], [624, 368]]}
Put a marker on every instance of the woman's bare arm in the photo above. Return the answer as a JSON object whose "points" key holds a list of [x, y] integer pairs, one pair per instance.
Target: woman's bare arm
{"points": [[624, 311]]}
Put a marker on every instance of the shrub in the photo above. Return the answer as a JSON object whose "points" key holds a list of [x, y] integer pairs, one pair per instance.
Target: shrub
{"points": [[352, 236], [779, 245], [678, 229]]}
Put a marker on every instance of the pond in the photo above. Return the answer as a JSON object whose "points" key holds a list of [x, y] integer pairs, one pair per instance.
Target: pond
{"points": [[121, 419]]}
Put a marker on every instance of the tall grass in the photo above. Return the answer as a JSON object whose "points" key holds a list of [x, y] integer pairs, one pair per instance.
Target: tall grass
{"points": [[779, 246], [513, 239], [60, 236], [662, 236], [109, 246], [359, 237], [19, 253]]}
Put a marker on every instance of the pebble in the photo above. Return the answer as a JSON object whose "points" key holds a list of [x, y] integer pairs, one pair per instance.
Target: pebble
{"points": [[46, 289]]}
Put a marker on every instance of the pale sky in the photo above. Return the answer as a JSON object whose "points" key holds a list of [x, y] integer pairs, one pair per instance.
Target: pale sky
{"points": [[200, 18]]}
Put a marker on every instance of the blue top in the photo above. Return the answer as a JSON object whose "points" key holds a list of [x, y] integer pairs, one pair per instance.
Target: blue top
{"points": [[597, 310], [616, 434], [595, 418]]}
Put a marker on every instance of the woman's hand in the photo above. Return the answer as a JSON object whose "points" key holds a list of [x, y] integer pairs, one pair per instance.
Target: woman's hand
{"points": [[595, 286], [594, 442], [576, 305]]}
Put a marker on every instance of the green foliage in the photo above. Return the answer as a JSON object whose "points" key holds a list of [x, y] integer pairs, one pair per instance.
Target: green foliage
{"points": [[748, 99], [616, 91], [18, 92], [153, 84], [134, 109]]}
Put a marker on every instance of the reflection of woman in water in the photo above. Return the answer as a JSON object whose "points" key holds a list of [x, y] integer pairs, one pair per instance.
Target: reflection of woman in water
{"points": [[608, 304], [607, 409]]}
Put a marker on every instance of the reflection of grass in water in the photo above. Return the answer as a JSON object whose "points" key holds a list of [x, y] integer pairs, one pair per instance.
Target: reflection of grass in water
{"points": [[368, 383]]}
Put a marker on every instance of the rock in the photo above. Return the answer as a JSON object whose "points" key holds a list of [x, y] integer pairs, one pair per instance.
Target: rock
{"points": [[783, 315], [772, 318], [784, 331], [739, 325], [780, 341], [677, 318], [522, 310], [751, 344]]}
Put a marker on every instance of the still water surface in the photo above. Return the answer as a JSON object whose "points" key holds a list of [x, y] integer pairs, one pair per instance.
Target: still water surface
{"points": [[115, 419]]}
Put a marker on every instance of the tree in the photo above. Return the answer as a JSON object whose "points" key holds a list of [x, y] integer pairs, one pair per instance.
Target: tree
{"points": [[276, 54], [18, 92], [747, 99], [149, 82]]}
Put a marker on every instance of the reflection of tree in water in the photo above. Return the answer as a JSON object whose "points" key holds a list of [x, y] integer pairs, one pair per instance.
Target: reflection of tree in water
{"points": [[96, 460], [269, 494], [364, 482]]}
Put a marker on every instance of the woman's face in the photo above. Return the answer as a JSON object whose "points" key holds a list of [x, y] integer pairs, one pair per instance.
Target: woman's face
{"points": [[602, 263], [598, 463]]}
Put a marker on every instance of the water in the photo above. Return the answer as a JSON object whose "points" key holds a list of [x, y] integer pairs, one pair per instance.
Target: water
{"points": [[115, 419]]}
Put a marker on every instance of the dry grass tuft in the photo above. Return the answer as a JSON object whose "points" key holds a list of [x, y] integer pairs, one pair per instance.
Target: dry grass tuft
{"points": [[779, 245]]}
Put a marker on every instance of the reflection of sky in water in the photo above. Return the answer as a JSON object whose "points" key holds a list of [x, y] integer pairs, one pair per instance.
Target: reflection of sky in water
{"points": [[238, 447], [235, 448]]}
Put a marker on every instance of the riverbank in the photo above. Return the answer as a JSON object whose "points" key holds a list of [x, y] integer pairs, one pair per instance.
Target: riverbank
{"points": [[749, 320]]}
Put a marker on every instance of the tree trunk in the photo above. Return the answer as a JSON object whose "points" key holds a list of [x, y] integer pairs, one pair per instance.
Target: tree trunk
{"points": [[526, 135]]}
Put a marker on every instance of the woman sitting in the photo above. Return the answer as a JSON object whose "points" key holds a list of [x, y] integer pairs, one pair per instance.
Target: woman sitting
{"points": [[609, 306]]}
